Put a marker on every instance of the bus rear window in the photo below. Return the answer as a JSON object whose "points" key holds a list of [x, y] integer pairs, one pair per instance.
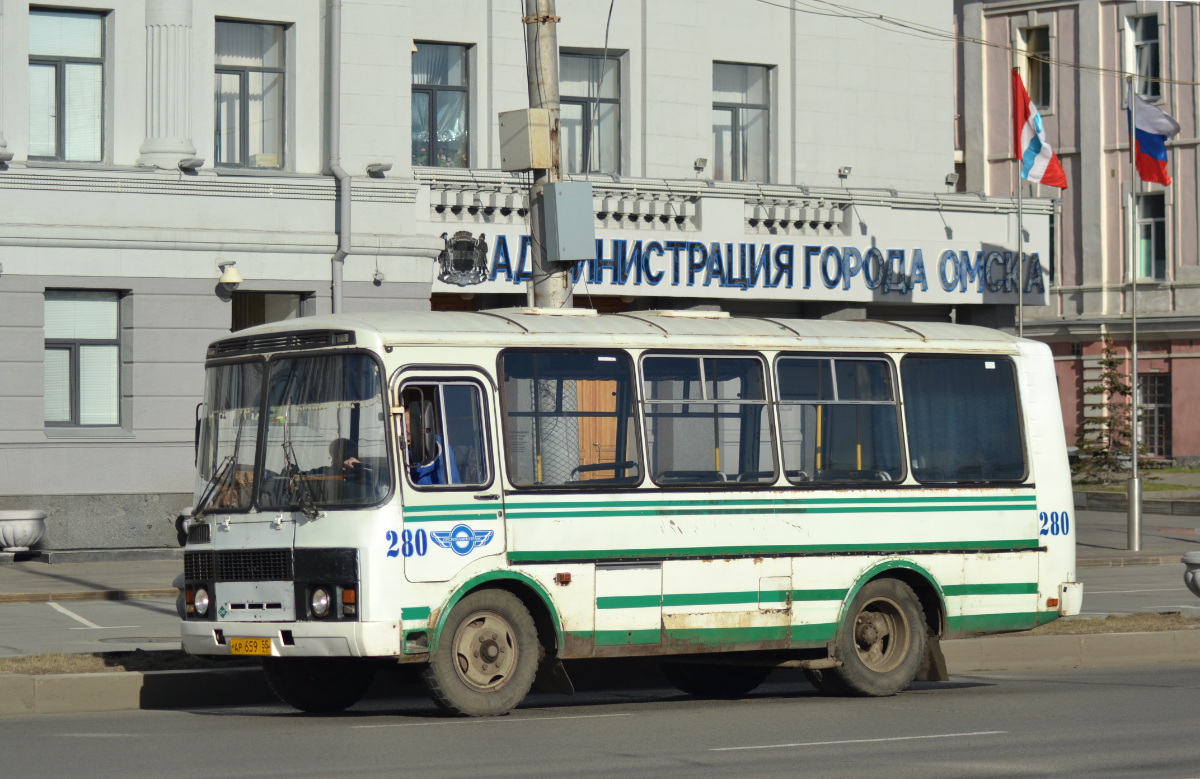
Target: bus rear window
{"points": [[964, 424]]}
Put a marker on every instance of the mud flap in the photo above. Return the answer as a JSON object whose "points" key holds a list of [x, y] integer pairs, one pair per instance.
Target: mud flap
{"points": [[933, 665], [552, 677]]}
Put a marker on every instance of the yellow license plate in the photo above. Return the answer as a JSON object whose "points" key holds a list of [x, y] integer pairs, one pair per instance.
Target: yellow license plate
{"points": [[250, 646]]}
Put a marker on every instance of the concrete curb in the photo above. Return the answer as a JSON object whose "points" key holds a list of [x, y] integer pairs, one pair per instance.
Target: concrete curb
{"points": [[130, 691], [1119, 562], [43, 597], [1048, 653], [1117, 501]]}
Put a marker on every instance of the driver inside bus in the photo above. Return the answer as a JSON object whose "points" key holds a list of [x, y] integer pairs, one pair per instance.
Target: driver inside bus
{"points": [[344, 462]]}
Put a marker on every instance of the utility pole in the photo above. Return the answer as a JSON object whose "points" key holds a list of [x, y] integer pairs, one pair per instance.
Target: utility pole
{"points": [[550, 286]]}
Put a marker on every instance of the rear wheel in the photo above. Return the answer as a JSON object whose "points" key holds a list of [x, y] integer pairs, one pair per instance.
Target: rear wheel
{"points": [[487, 656], [881, 641], [706, 680], [318, 685], [826, 681]]}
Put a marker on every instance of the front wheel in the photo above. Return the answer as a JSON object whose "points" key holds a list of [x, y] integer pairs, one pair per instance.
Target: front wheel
{"points": [[487, 656], [715, 681], [318, 685], [881, 642]]}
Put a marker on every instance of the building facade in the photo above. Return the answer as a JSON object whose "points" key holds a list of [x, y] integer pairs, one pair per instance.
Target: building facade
{"points": [[177, 169], [1074, 58]]}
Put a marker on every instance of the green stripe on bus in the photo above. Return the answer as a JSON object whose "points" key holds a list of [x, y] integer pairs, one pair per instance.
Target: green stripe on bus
{"points": [[1010, 588], [625, 637], [810, 500], [489, 517], [628, 601], [416, 612], [813, 634], [715, 637], [442, 507], [675, 553], [992, 623], [811, 595], [620, 511], [714, 598]]}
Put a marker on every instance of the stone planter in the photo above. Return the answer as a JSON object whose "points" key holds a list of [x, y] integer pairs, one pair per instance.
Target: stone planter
{"points": [[21, 529]]}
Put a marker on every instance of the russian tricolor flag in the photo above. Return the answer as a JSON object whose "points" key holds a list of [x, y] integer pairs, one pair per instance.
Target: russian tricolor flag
{"points": [[1150, 129], [1038, 161]]}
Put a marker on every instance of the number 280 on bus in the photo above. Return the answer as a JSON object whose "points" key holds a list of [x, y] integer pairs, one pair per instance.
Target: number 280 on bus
{"points": [[485, 495]]}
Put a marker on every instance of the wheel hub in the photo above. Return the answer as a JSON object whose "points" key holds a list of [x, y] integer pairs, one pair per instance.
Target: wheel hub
{"points": [[485, 651]]}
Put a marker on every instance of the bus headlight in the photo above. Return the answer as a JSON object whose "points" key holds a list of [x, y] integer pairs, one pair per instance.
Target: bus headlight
{"points": [[201, 601], [320, 602]]}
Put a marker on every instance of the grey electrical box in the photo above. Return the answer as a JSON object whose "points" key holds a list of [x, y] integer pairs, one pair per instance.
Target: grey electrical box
{"points": [[525, 139], [570, 221]]}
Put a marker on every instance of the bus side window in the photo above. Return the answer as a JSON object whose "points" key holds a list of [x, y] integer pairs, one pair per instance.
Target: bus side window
{"points": [[839, 420], [445, 441]]}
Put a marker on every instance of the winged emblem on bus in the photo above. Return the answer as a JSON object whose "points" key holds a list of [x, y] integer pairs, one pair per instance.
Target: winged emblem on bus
{"points": [[462, 539]]}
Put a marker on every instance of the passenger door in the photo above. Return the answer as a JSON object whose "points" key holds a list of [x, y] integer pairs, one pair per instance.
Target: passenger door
{"points": [[452, 501]]}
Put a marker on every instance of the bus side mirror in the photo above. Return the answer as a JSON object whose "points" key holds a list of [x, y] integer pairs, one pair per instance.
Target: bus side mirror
{"points": [[422, 442]]}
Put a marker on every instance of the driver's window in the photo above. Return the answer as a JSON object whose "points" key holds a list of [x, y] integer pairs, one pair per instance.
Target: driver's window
{"points": [[445, 438]]}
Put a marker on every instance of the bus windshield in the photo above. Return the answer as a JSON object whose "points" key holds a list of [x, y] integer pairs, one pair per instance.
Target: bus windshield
{"points": [[323, 441], [228, 437]]}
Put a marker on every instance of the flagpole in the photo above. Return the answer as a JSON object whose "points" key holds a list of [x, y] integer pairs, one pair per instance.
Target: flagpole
{"points": [[1134, 494], [1020, 236], [1020, 260]]}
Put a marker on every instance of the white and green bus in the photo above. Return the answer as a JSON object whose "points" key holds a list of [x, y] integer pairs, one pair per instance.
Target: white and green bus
{"points": [[487, 494]]}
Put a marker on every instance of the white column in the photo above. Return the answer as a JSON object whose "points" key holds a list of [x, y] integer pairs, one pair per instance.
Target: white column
{"points": [[168, 83], [5, 155]]}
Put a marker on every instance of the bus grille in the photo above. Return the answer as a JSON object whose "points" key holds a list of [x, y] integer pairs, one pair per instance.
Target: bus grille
{"points": [[248, 565], [199, 534]]}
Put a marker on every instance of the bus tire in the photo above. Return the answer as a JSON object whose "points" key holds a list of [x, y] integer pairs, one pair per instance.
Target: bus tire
{"points": [[486, 658], [881, 641], [318, 685], [713, 680], [826, 681]]}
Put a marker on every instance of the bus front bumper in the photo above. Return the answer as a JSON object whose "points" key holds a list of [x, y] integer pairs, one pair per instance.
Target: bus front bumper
{"points": [[295, 639]]}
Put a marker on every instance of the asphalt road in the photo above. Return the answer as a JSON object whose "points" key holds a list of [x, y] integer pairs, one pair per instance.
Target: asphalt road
{"points": [[1129, 722], [110, 626]]}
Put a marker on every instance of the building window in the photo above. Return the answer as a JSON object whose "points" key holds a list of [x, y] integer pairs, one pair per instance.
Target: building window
{"points": [[258, 308], [590, 100], [1037, 65], [440, 106], [82, 358], [66, 85], [1146, 55], [250, 70], [741, 115], [1152, 237], [1154, 408]]}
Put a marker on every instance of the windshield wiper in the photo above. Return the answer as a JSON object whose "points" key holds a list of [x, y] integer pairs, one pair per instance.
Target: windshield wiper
{"points": [[210, 489], [297, 486]]}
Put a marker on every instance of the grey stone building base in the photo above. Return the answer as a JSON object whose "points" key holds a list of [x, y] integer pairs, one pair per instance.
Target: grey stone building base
{"points": [[129, 521]]}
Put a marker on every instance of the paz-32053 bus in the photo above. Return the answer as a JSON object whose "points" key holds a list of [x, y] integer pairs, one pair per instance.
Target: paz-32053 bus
{"points": [[487, 494]]}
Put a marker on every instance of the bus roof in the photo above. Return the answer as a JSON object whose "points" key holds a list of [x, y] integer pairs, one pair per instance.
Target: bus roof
{"points": [[635, 329]]}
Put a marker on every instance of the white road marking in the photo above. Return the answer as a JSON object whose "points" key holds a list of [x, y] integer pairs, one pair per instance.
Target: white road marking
{"points": [[88, 625], [862, 741], [486, 721]]}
